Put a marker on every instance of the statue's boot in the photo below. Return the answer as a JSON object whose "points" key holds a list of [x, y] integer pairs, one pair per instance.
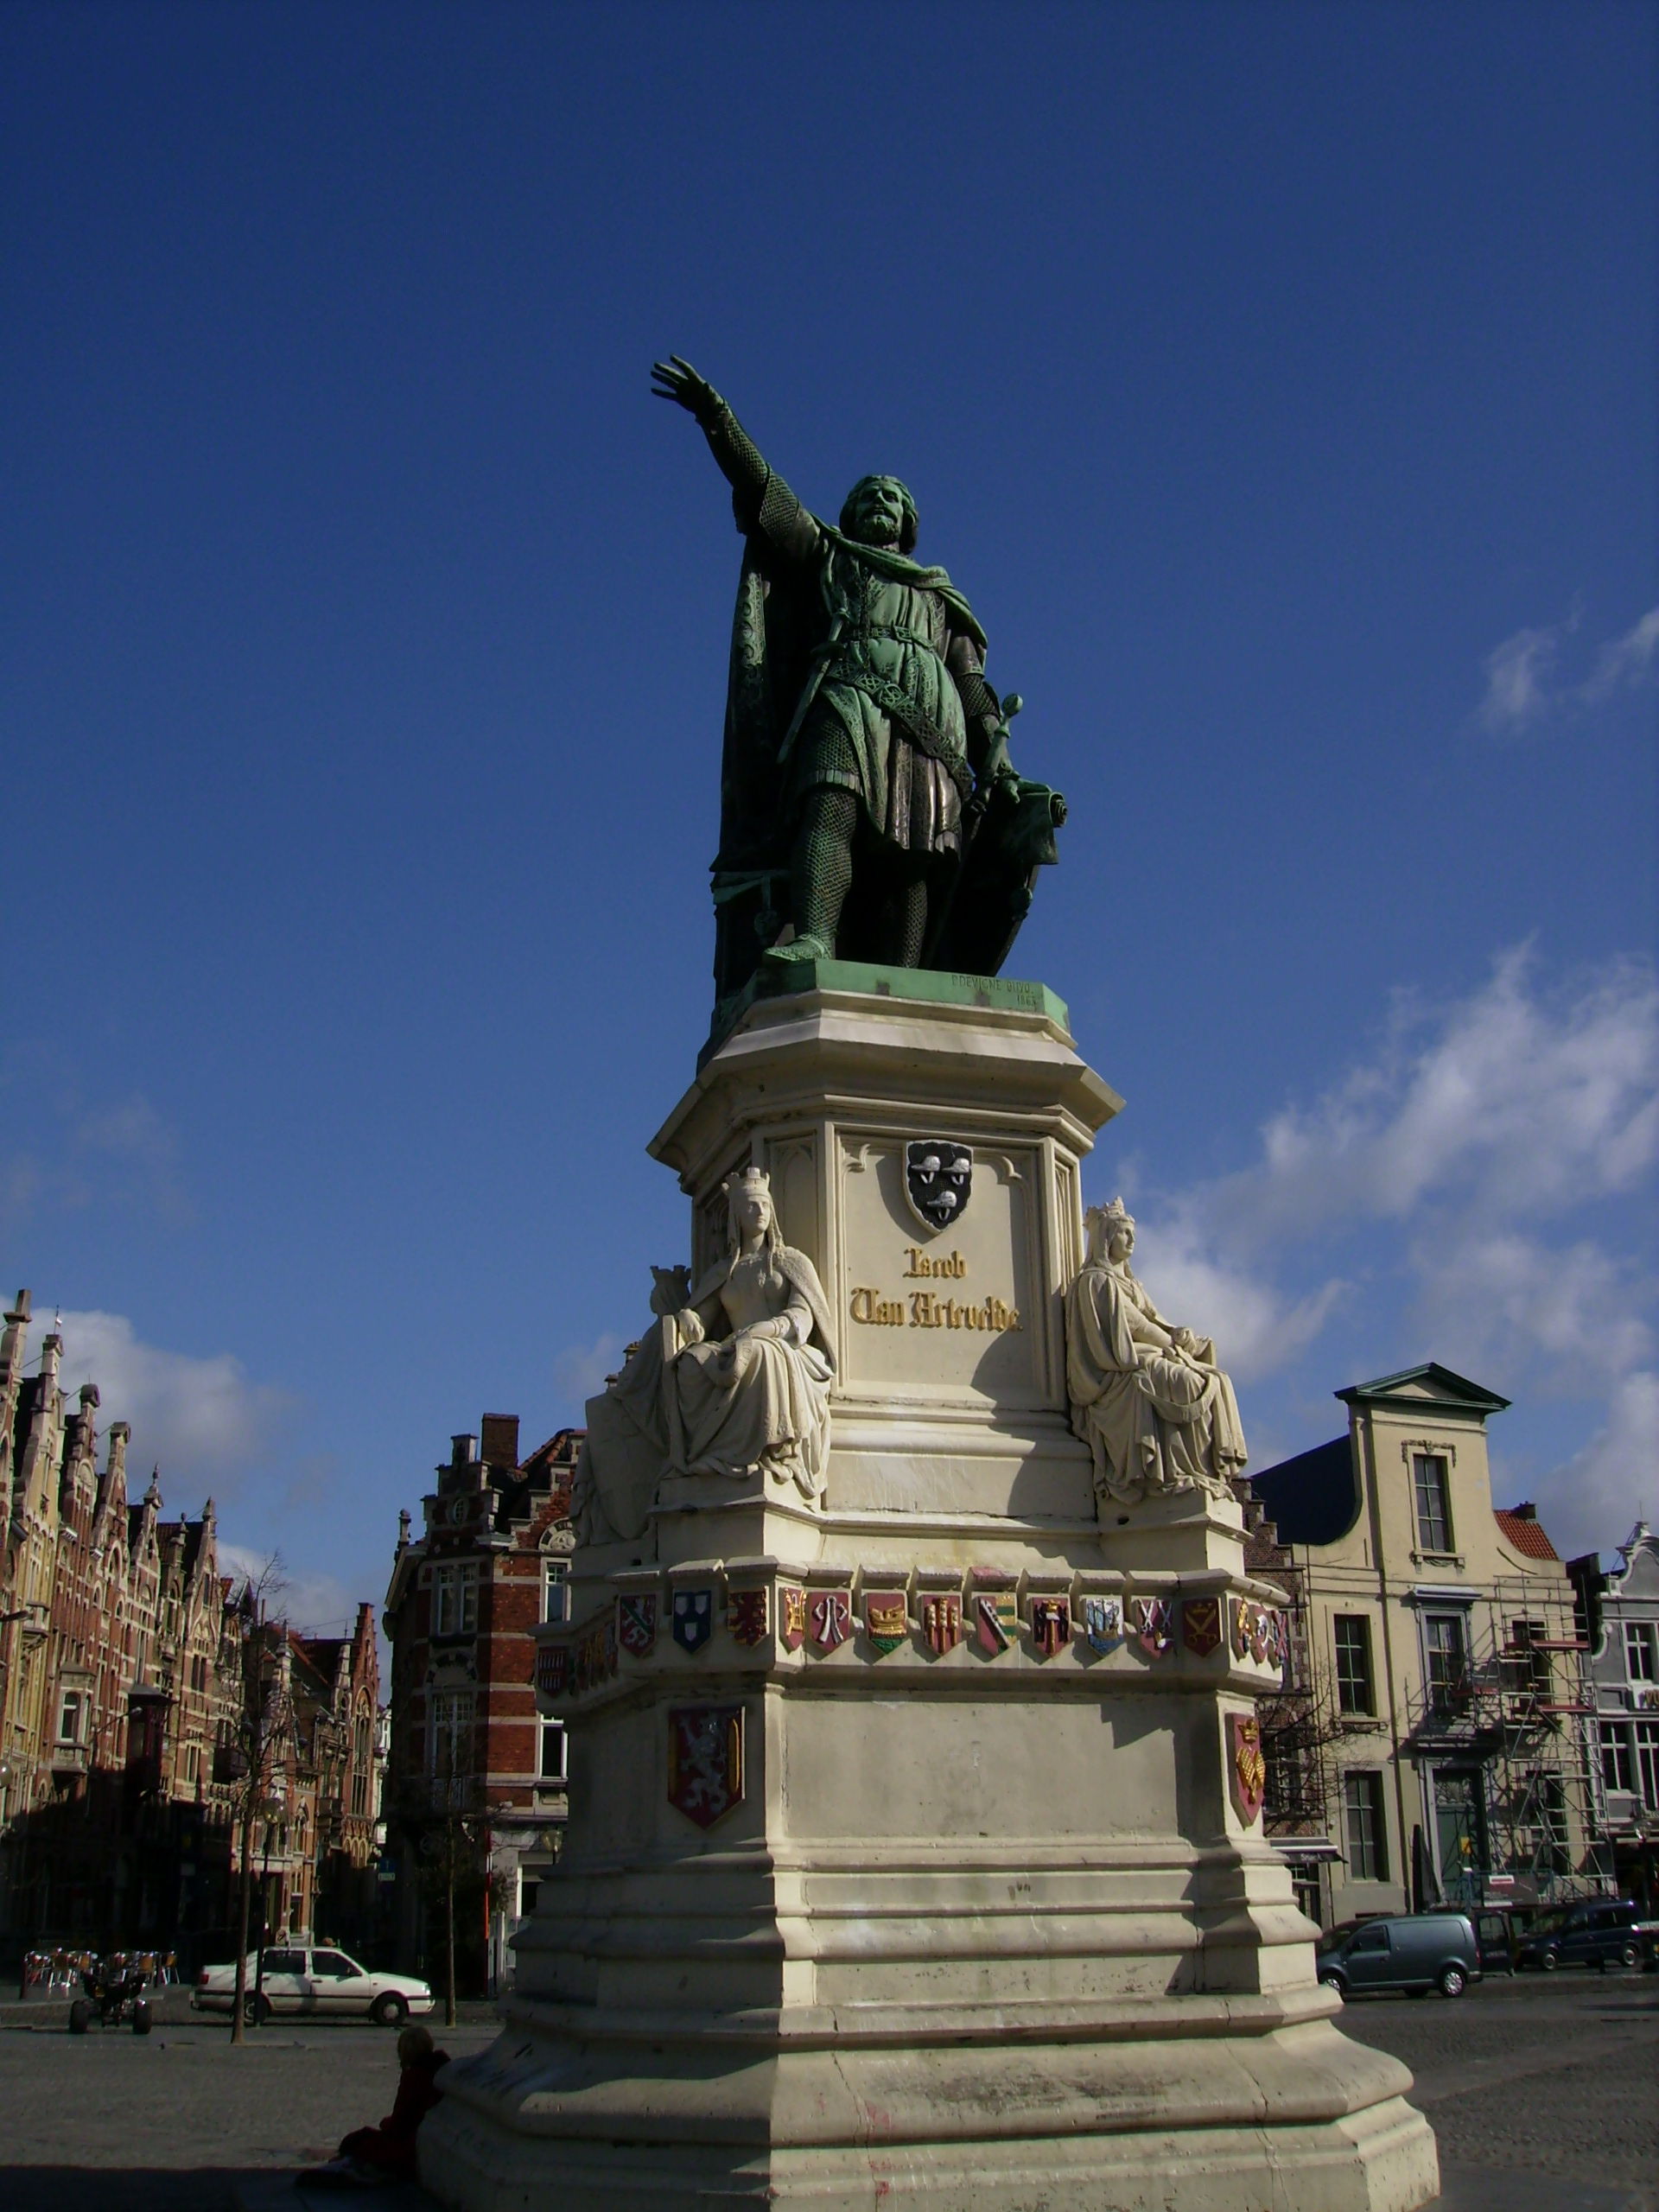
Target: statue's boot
{"points": [[804, 948]]}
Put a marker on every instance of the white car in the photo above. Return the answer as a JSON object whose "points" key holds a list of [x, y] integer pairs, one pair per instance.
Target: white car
{"points": [[321, 1983]]}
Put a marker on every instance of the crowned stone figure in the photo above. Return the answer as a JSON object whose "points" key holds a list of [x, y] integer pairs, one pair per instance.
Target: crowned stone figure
{"points": [[733, 1381], [1146, 1396]]}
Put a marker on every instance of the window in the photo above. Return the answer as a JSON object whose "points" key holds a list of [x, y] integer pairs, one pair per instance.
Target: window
{"points": [[335, 1965], [1647, 1763], [1447, 1664], [553, 1748], [1527, 1665], [1354, 1692], [556, 1597], [450, 1744], [1361, 1804], [1428, 1471], [1615, 1757], [455, 1601], [69, 1717], [1641, 1663]]}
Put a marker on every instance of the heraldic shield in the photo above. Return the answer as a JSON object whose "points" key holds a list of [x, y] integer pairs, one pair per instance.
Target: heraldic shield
{"points": [[1247, 1769], [705, 1761], [938, 1178]]}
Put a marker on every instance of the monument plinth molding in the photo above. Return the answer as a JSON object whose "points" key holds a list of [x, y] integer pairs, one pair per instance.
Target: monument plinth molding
{"points": [[914, 1850]]}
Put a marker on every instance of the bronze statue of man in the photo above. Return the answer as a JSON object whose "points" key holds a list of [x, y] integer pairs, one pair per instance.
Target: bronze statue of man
{"points": [[865, 752]]}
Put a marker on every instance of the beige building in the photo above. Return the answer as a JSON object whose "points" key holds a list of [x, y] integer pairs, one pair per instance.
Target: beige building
{"points": [[1432, 1739]]}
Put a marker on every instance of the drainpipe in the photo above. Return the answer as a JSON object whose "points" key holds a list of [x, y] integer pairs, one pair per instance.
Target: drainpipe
{"points": [[1363, 1438]]}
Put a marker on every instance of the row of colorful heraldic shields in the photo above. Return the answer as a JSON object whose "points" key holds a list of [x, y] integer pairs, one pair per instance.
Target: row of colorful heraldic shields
{"points": [[733, 1381], [988, 1612]]}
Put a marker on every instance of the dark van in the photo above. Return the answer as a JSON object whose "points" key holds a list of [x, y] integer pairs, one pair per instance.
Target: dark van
{"points": [[1593, 1933], [1494, 1935], [1415, 1951]]}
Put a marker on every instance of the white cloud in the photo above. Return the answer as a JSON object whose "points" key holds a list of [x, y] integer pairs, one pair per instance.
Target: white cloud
{"points": [[1416, 1197], [1256, 1330], [1523, 688], [197, 1418], [1629, 659], [580, 1370], [1516, 1102], [307, 1599], [1591, 1503], [1519, 672]]}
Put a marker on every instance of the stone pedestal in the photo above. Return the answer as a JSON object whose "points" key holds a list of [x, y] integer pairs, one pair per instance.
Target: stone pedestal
{"points": [[917, 1865]]}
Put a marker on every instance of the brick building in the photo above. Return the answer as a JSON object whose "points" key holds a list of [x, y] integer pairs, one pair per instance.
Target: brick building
{"points": [[122, 1659], [475, 1786]]}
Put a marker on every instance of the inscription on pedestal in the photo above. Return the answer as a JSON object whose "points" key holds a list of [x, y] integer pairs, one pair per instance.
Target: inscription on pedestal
{"points": [[973, 1296]]}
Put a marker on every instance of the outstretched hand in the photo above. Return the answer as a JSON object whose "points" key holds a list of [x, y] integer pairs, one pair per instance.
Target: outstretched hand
{"points": [[677, 380]]}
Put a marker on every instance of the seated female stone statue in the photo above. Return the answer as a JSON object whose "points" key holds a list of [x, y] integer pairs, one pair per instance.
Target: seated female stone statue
{"points": [[732, 1382], [1146, 1396]]}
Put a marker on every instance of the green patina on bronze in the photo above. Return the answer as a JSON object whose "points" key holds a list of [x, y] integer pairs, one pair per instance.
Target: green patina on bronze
{"points": [[870, 810], [868, 979]]}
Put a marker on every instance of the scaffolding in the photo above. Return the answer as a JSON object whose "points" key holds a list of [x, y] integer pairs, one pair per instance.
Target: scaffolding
{"points": [[1514, 1705]]}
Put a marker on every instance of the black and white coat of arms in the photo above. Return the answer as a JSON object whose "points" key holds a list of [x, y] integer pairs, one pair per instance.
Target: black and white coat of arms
{"points": [[938, 1178]]}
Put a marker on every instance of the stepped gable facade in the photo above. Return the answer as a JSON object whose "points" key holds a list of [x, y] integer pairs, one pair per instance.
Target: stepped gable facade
{"points": [[123, 1652], [476, 1772]]}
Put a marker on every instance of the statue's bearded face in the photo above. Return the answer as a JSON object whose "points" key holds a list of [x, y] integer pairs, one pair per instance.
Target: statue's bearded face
{"points": [[875, 513]]}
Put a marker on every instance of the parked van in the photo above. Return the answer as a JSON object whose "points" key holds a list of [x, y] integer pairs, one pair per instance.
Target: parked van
{"points": [[1592, 1934], [1415, 1951], [1494, 1934]]}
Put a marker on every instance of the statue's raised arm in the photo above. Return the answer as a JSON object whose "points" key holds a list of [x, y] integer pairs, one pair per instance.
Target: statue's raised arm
{"points": [[762, 499], [869, 809]]}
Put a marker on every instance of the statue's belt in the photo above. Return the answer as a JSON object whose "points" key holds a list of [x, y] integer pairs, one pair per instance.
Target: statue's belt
{"points": [[917, 724]]}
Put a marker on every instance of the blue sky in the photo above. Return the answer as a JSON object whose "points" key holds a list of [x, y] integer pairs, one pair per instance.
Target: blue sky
{"points": [[1279, 382]]}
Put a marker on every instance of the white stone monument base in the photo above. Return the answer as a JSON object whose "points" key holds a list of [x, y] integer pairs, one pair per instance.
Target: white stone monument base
{"points": [[912, 1854]]}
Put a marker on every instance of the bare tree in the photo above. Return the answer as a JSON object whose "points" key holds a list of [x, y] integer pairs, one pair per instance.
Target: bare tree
{"points": [[264, 1724]]}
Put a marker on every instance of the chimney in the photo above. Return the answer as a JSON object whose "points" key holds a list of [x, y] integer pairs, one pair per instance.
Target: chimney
{"points": [[51, 1353], [1527, 1512], [501, 1440], [463, 1450]]}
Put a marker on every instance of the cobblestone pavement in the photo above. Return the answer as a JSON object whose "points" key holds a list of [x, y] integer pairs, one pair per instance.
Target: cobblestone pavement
{"points": [[1542, 2094]]}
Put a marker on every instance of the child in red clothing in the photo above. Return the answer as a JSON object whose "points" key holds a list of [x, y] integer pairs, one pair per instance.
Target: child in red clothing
{"points": [[386, 2153]]}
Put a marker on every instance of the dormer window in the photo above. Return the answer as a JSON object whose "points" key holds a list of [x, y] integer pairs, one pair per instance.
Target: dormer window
{"points": [[1432, 1488], [455, 1601], [556, 1596]]}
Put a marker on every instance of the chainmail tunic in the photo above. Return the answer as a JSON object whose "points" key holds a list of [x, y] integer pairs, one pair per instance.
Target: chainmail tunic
{"points": [[890, 657]]}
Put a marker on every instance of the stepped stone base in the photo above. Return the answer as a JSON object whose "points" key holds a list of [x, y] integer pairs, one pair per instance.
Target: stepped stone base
{"points": [[978, 1921]]}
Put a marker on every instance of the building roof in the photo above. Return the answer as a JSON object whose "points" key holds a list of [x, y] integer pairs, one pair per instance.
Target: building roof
{"points": [[1429, 1386], [1313, 1499], [1521, 1527]]}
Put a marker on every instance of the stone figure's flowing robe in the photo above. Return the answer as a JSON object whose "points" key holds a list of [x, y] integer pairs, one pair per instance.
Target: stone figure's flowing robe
{"points": [[698, 1399], [1156, 1419]]}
